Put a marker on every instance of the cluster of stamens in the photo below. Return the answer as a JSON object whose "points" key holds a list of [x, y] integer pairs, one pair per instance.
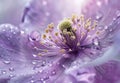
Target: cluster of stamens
{"points": [[71, 34]]}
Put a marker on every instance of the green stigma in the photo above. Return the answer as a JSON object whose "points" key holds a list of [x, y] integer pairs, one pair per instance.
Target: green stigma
{"points": [[65, 25]]}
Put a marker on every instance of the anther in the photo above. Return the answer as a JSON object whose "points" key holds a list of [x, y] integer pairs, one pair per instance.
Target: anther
{"points": [[39, 54], [44, 36], [45, 50], [62, 51], [56, 34], [51, 26], [78, 44], [73, 37]]}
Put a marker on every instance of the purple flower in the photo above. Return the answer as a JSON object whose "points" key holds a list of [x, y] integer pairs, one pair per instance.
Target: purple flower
{"points": [[76, 50]]}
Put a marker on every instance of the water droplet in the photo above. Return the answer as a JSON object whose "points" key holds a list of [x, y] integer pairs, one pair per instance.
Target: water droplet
{"points": [[43, 63], [53, 72], [34, 62], [46, 78], [3, 71], [44, 3], [32, 81], [110, 30], [6, 62], [40, 71], [99, 16], [11, 75], [118, 13], [95, 41], [11, 69], [50, 65], [22, 32], [99, 3], [47, 14], [34, 55], [106, 27], [101, 27]]}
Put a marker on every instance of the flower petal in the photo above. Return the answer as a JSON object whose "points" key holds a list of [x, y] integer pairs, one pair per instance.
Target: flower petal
{"points": [[108, 72]]}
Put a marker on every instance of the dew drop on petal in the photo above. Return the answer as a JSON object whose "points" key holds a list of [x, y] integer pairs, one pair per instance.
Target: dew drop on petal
{"points": [[45, 78], [11, 75], [34, 62], [110, 30], [31, 81], [106, 27], [3, 71], [95, 41], [118, 12], [101, 27], [11, 69], [40, 71], [6, 62], [44, 3], [34, 55], [53, 73], [99, 16], [43, 63]]}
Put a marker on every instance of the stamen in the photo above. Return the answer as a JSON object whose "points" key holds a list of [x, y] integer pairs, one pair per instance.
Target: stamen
{"points": [[78, 44], [45, 50], [70, 50], [62, 51], [39, 54], [95, 24], [73, 17], [97, 32], [73, 37], [41, 42], [74, 29], [79, 24], [88, 23], [44, 36], [56, 34], [50, 37], [47, 30], [82, 34], [51, 26], [64, 41], [56, 41], [82, 18]]}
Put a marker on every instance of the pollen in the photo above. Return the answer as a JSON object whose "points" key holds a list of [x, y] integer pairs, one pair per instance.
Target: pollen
{"points": [[56, 34], [56, 41], [64, 41], [44, 36], [45, 50], [74, 29], [51, 26], [73, 17], [62, 51], [39, 54], [82, 18], [95, 24], [50, 37], [88, 23], [66, 24], [82, 34], [47, 30], [97, 32], [73, 37], [41, 42]]}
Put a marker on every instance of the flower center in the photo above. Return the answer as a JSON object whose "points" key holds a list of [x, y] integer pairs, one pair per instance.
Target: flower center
{"points": [[74, 34]]}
